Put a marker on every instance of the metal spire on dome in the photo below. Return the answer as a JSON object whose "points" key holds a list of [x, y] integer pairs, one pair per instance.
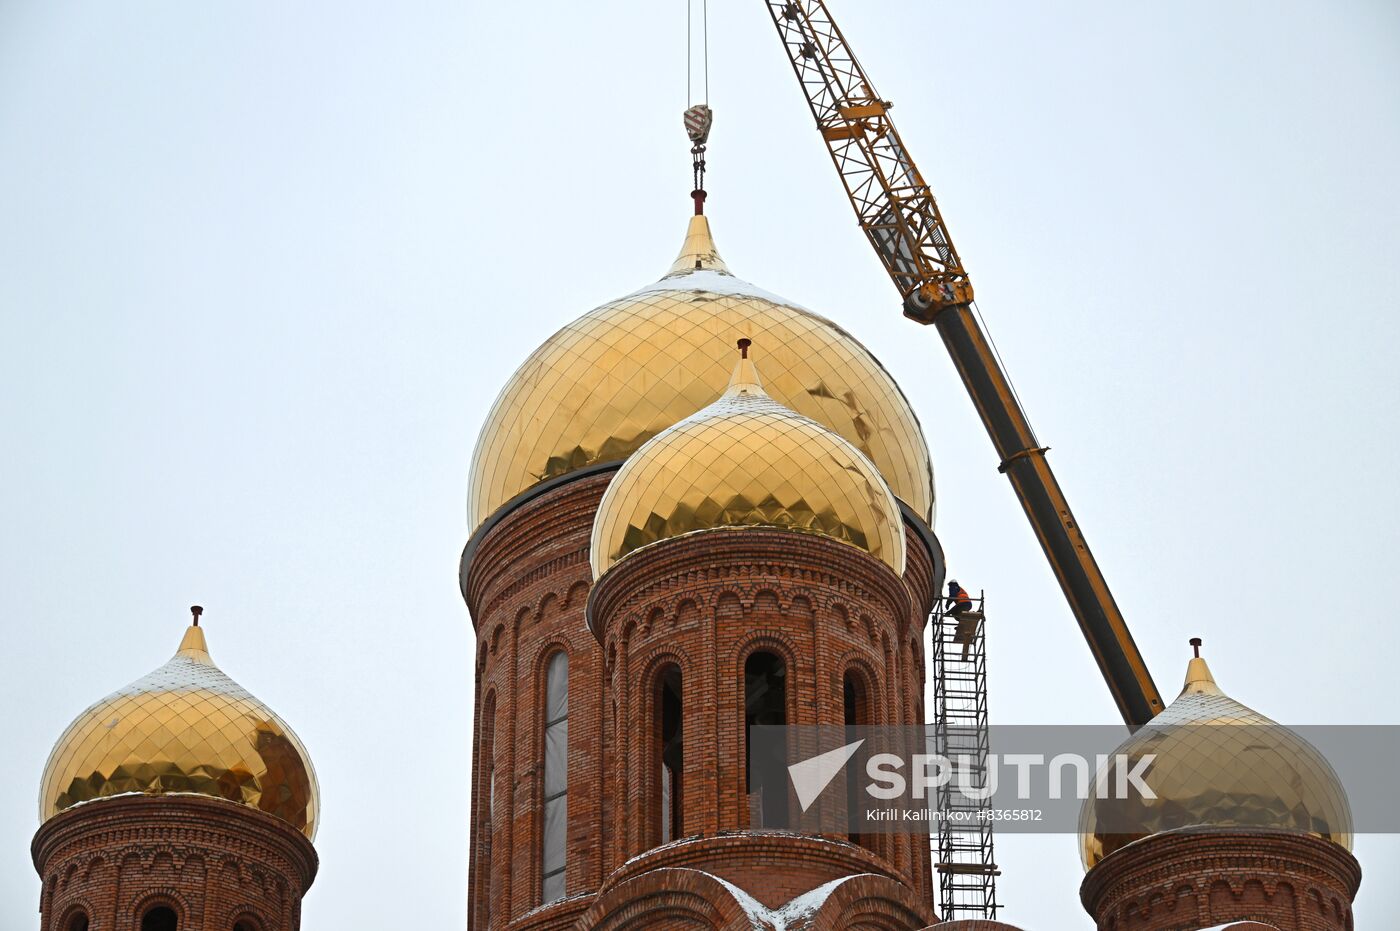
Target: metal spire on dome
{"points": [[1199, 680], [745, 379], [698, 252], [193, 645]]}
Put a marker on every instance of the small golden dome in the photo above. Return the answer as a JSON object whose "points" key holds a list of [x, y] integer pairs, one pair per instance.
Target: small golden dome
{"points": [[184, 728], [611, 380], [1219, 765], [747, 461]]}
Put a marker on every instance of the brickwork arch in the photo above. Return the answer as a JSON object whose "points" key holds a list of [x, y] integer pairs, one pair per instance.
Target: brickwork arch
{"points": [[672, 898], [641, 749], [163, 897], [246, 915], [870, 902], [76, 906]]}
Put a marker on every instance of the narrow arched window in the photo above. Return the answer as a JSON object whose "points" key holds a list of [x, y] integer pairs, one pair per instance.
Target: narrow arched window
{"points": [[556, 778], [160, 918], [246, 924], [765, 703], [856, 700], [79, 922], [670, 741]]}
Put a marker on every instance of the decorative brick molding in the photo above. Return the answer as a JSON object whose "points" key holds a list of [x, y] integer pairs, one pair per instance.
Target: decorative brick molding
{"points": [[1191, 879], [771, 867], [869, 902], [556, 916], [678, 898], [672, 898], [211, 860]]}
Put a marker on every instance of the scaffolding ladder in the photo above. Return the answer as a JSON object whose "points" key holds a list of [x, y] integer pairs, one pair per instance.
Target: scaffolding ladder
{"points": [[964, 860]]}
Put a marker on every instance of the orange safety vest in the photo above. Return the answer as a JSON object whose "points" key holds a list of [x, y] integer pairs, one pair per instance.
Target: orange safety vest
{"points": [[962, 597]]}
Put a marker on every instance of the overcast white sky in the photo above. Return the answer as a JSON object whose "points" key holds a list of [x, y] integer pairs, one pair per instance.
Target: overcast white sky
{"points": [[263, 268]]}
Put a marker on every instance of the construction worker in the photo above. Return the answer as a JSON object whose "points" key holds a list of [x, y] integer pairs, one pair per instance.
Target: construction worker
{"points": [[959, 601]]}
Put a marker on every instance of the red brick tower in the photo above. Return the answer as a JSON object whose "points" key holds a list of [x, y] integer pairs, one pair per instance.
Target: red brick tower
{"points": [[592, 723], [1250, 823], [749, 566], [179, 803]]}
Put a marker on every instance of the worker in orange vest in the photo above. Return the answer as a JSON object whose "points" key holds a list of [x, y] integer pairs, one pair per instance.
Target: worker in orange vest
{"points": [[959, 601]]}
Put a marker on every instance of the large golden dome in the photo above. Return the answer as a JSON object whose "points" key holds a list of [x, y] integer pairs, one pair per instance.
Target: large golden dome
{"points": [[747, 461], [1218, 765], [611, 380], [185, 728]]}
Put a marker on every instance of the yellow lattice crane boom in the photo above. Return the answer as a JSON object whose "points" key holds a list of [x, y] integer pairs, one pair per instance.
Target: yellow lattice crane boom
{"points": [[899, 215]]}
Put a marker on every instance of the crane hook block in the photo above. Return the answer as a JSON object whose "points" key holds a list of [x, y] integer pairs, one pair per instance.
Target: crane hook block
{"points": [[698, 120]]}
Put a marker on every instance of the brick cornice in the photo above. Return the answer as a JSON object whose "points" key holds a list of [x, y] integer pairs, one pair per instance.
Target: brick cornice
{"points": [[197, 823], [754, 556], [1148, 873], [516, 538]]}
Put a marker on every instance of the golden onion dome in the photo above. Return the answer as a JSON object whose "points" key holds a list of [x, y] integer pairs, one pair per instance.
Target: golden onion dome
{"points": [[184, 728], [747, 461], [1218, 765], [611, 380]]}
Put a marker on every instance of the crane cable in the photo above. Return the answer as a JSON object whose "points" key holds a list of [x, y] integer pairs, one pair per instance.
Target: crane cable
{"points": [[698, 117], [991, 340], [705, 48]]}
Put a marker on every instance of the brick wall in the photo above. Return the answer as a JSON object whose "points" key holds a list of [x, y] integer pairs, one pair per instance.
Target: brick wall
{"points": [[213, 862], [526, 587]]}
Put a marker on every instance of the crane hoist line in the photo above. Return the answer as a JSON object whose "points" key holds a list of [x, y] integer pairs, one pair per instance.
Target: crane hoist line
{"points": [[897, 210]]}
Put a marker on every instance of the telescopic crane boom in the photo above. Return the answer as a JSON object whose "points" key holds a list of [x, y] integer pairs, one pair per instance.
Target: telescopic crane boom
{"points": [[900, 217]]}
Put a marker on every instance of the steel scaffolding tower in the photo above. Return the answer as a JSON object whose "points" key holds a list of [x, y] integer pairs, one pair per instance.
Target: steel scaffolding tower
{"points": [[966, 867]]}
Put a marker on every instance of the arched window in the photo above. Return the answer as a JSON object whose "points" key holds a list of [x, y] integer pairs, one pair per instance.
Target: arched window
{"points": [[246, 924], [856, 699], [556, 777], [160, 918], [670, 742], [765, 702], [78, 922]]}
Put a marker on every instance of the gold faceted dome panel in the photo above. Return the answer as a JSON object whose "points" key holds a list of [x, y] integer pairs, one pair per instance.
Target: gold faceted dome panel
{"points": [[616, 377], [747, 461], [1218, 764], [184, 728]]}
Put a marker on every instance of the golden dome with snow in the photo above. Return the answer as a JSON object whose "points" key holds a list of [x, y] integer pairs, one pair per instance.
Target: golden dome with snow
{"points": [[1218, 765], [747, 461], [619, 375], [184, 728]]}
